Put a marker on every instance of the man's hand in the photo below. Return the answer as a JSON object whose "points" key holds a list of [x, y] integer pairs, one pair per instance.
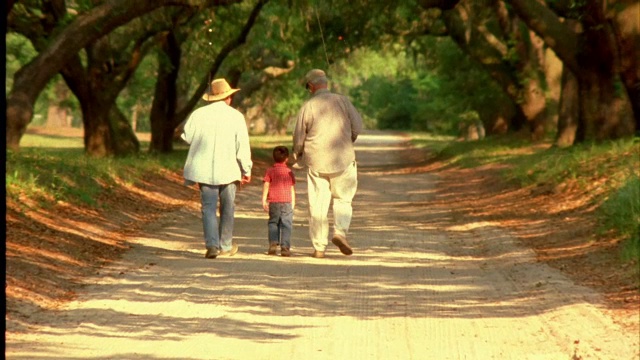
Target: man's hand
{"points": [[265, 205], [245, 179]]}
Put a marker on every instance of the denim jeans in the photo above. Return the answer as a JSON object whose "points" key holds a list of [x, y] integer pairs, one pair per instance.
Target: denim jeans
{"points": [[218, 235], [280, 223]]}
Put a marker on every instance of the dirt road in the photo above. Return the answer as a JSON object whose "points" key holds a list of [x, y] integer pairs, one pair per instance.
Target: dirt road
{"points": [[422, 284]]}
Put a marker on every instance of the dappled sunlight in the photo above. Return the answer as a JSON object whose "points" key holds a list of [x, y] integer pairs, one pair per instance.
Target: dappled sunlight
{"points": [[172, 308], [470, 226], [45, 257]]}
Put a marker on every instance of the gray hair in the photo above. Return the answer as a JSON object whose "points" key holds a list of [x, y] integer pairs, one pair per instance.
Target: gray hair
{"points": [[320, 81]]}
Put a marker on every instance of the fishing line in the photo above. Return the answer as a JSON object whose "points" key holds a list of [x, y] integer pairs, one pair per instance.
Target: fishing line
{"points": [[324, 46]]}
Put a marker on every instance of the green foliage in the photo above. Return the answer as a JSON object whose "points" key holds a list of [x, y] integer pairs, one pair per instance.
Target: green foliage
{"points": [[430, 86], [621, 212], [19, 52]]}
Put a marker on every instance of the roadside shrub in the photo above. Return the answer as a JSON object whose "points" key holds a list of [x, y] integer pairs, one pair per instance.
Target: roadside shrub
{"points": [[621, 212]]}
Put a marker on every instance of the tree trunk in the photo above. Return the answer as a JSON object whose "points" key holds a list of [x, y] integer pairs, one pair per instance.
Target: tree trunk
{"points": [[553, 74], [530, 49], [606, 111], [134, 117], [106, 130], [97, 129], [626, 26], [163, 109], [497, 119], [19, 113], [123, 139], [568, 119]]}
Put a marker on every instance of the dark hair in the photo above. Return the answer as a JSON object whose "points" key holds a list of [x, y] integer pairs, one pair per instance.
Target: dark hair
{"points": [[280, 154]]}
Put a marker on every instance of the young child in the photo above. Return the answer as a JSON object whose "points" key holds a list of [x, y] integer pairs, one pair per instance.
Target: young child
{"points": [[279, 199]]}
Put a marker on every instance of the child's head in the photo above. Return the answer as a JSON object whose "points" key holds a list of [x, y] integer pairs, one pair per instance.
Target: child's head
{"points": [[280, 154]]}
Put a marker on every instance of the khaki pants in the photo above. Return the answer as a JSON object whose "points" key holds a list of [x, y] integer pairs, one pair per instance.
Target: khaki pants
{"points": [[341, 187]]}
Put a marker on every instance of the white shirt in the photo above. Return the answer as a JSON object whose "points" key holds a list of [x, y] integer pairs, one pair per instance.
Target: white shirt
{"points": [[219, 151]]}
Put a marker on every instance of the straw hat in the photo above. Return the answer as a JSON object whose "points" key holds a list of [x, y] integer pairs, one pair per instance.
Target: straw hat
{"points": [[220, 89]]}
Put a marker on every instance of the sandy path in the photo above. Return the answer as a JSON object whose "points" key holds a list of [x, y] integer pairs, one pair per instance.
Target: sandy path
{"points": [[420, 285]]}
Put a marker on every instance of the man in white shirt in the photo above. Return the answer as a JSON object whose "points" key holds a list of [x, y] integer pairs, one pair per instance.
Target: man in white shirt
{"points": [[327, 126], [219, 160]]}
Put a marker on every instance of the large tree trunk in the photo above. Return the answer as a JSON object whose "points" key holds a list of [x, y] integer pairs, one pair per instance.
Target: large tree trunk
{"points": [[553, 74], [163, 109], [106, 130], [98, 141], [568, 119], [606, 112], [123, 138], [626, 26], [86, 28], [530, 49]]}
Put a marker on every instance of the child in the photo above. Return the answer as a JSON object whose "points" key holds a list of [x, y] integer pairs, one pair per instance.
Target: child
{"points": [[279, 199]]}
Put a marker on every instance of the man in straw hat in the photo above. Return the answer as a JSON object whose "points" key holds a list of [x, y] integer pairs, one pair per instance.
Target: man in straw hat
{"points": [[327, 126], [219, 160]]}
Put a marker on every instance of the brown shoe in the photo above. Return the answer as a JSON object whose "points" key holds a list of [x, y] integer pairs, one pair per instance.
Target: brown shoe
{"points": [[211, 253], [233, 251], [285, 252], [342, 244], [272, 248], [317, 254]]}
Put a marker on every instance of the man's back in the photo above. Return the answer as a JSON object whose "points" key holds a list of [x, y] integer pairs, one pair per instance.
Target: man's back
{"points": [[218, 142], [327, 125]]}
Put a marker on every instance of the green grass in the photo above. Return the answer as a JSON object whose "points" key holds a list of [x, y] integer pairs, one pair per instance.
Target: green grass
{"points": [[609, 169], [262, 145], [621, 212], [50, 175], [49, 169], [51, 142]]}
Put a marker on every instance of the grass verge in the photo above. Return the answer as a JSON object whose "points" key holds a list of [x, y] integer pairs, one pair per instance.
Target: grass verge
{"points": [[608, 172], [48, 170]]}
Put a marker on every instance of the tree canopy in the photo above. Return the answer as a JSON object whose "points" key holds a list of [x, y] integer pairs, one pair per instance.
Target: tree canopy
{"points": [[567, 67]]}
